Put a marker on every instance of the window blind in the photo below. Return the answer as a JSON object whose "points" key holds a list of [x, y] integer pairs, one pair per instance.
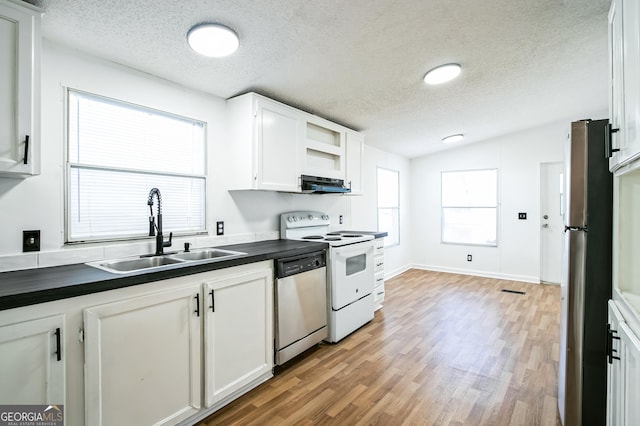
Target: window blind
{"points": [[117, 152]]}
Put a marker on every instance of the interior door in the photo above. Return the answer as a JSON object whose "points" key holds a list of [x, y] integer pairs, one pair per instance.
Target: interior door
{"points": [[551, 221]]}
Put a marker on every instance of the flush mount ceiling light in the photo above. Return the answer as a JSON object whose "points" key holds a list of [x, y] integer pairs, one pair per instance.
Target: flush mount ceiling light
{"points": [[213, 40], [453, 138], [442, 74]]}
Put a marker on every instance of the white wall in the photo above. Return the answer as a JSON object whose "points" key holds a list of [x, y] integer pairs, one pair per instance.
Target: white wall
{"points": [[397, 257], [517, 157], [38, 202]]}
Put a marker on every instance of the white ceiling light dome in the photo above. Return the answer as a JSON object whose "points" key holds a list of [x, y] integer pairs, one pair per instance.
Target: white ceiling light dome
{"points": [[442, 74], [213, 40], [453, 138]]}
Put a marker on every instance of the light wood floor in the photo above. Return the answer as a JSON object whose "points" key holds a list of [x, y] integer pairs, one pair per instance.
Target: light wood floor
{"points": [[445, 349]]}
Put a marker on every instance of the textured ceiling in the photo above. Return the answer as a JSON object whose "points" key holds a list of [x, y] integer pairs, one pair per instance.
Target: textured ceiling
{"points": [[361, 62]]}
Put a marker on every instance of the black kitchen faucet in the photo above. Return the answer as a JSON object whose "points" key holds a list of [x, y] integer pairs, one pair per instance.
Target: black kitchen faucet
{"points": [[156, 225]]}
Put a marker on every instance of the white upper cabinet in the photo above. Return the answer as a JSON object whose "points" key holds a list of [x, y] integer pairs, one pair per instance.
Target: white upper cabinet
{"points": [[324, 149], [265, 144], [354, 156], [272, 144], [624, 68], [20, 89]]}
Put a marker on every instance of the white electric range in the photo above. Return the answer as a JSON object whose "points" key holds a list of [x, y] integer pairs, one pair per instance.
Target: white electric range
{"points": [[350, 269]]}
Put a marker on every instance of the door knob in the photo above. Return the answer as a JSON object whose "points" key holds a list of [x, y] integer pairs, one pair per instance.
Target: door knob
{"points": [[546, 225], [546, 216]]}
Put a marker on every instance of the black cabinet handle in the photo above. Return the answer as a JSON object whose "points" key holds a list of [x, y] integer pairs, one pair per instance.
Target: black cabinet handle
{"points": [[26, 149], [608, 146], [58, 351], [197, 311], [609, 349], [213, 301]]}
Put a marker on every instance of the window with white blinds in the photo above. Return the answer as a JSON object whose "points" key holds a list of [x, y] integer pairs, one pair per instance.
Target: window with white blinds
{"points": [[117, 152]]}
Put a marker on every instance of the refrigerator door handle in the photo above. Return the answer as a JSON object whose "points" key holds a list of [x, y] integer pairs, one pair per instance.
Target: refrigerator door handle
{"points": [[575, 228]]}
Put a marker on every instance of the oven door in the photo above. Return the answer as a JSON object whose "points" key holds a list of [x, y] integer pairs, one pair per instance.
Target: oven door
{"points": [[351, 273]]}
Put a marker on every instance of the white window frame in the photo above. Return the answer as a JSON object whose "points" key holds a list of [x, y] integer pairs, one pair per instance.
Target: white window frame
{"points": [[388, 242], [68, 239], [491, 206]]}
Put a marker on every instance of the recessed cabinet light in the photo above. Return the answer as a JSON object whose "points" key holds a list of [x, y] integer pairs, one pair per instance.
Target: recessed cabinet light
{"points": [[442, 74], [213, 40], [453, 138]]}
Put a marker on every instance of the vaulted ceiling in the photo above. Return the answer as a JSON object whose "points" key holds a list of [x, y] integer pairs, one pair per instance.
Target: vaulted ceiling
{"points": [[361, 62]]}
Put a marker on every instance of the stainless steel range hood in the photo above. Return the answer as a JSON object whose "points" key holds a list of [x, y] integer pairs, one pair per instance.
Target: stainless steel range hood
{"points": [[322, 185]]}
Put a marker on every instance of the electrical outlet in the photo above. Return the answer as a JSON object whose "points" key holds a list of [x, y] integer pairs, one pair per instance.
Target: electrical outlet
{"points": [[522, 216], [31, 240], [469, 258], [220, 228], [341, 219]]}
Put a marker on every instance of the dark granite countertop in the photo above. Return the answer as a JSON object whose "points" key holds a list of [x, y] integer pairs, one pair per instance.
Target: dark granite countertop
{"points": [[376, 234], [39, 285]]}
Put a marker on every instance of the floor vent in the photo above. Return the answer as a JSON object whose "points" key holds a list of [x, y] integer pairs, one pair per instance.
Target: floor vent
{"points": [[513, 291]]}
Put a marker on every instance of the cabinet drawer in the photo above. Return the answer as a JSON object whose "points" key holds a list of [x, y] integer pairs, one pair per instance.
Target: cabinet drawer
{"points": [[378, 293], [378, 279], [378, 264], [378, 246]]}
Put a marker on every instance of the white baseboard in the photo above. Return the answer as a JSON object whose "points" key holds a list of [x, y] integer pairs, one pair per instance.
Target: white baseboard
{"points": [[390, 274], [496, 275]]}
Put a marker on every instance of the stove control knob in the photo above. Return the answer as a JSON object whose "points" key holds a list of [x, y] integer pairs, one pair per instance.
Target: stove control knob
{"points": [[295, 219], [325, 216], [310, 217], [289, 219]]}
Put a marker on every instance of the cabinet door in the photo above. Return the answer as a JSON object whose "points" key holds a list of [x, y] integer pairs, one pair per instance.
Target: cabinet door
{"points": [[630, 357], [615, 376], [142, 359], [278, 136], [238, 332], [31, 362], [631, 61], [19, 85], [355, 152]]}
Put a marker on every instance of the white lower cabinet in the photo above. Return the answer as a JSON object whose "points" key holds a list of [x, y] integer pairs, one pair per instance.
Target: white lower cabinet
{"points": [[180, 350], [143, 359], [623, 382], [378, 263], [238, 333], [31, 362]]}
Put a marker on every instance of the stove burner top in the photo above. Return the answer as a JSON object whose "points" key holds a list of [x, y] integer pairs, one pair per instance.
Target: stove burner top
{"points": [[334, 233], [333, 238], [313, 237], [351, 235]]}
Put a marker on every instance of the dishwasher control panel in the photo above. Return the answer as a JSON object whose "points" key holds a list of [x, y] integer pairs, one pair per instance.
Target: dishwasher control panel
{"points": [[299, 264]]}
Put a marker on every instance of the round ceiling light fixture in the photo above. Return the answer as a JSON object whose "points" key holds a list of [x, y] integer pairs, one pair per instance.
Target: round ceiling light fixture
{"points": [[453, 138], [442, 74], [213, 40]]}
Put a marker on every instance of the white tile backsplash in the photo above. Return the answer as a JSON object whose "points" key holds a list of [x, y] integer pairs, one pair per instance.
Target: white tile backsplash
{"points": [[70, 256], [18, 261]]}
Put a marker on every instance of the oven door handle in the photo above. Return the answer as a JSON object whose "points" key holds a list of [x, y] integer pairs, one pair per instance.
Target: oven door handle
{"points": [[354, 249]]}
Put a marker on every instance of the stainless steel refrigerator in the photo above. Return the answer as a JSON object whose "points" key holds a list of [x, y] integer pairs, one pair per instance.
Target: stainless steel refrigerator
{"points": [[586, 282]]}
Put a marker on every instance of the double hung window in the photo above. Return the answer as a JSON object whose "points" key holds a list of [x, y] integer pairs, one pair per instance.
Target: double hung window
{"points": [[389, 205], [116, 153], [470, 207]]}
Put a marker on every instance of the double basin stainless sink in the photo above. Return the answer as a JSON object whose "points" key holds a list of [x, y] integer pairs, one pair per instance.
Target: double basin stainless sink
{"points": [[153, 263]]}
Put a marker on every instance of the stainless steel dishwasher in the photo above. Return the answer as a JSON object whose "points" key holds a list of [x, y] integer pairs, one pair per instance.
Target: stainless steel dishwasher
{"points": [[300, 304]]}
